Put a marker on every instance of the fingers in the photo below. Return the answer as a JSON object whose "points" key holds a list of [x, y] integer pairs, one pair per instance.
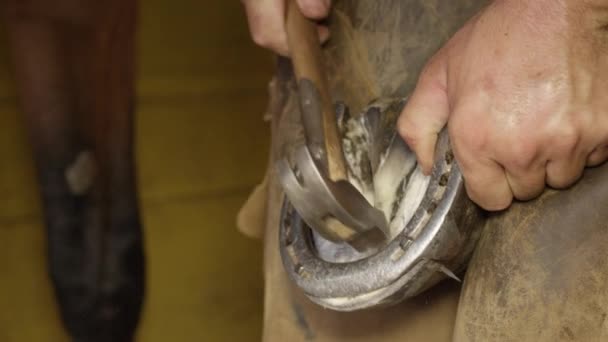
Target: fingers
{"points": [[267, 24], [315, 9], [497, 166], [426, 112], [526, 184], [524, 164], [266, 20], [598, 156], [486, 183], [565, 171]]}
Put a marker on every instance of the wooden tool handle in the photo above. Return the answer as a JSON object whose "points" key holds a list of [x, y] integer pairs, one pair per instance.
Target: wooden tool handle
{"points": [[305, 50]]}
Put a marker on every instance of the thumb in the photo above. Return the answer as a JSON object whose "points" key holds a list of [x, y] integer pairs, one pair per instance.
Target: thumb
{"points": [[426, 112]]}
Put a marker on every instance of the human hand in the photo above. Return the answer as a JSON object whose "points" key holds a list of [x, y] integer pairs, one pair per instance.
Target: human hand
{"points": [[267, 21], [523, 89]]}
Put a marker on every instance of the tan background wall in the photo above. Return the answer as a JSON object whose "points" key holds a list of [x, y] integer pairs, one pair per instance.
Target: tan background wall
{"points": [[201, 146]]}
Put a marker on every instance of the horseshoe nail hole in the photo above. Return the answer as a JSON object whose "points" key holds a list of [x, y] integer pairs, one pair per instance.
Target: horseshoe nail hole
{"points": [[431, 208], [449, 157], [405, 244], [299, 269], [443, 180], [398, 253]]}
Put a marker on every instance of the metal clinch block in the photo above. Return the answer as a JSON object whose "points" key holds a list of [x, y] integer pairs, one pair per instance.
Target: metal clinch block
{"points": [[424, 231]]}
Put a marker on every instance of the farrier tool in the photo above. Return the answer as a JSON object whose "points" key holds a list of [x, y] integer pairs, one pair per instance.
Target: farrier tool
{"points": [[344, 253], [317, 181]]}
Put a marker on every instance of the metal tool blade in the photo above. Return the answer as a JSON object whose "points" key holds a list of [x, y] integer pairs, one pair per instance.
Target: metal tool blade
{"points": [[334, 209]]}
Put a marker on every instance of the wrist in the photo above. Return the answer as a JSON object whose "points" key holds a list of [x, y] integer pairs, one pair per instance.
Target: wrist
{"points": [[580, 21], [591, 16], [596, 13], [577, 13]]}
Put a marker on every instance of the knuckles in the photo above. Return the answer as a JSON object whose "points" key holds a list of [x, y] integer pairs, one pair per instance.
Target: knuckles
{"points": [[519, 153], [566, 138], [468, 135], [564, 178]]}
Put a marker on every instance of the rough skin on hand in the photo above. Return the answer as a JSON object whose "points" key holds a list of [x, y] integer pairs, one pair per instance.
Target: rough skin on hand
{"points": [[522, 88]]}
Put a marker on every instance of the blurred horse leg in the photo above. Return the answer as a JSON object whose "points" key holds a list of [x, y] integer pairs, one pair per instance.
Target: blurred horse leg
{"points": [[74, 67]]}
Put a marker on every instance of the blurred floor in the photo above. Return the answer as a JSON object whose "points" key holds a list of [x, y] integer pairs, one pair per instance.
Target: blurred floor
{"points": [[201, 146]]}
